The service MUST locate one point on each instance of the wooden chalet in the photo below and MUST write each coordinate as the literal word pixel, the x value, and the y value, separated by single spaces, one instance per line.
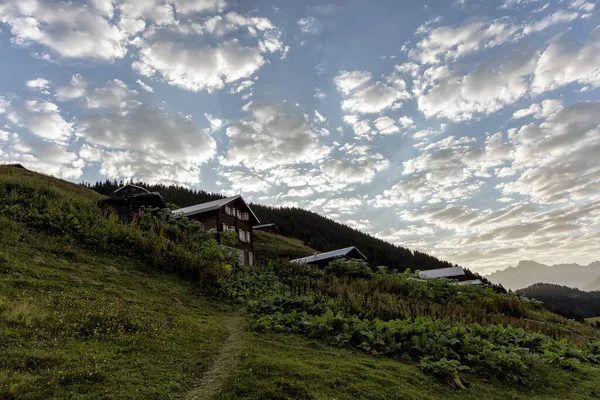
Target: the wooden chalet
pixel 130 201
pixel 229 214
pixel 270 228
pixel 323 259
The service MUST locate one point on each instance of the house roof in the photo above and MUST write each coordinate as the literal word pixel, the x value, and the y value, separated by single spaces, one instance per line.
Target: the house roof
pixel 326 256
pixel 264 226
pixel 14 165
pixel 211 206
pixel 443 272
pixel 133 186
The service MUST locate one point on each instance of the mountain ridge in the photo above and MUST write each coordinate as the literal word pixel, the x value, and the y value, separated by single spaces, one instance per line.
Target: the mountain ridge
pixel 529 272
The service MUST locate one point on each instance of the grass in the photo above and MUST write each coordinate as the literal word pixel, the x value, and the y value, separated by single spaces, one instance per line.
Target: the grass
pixel 282 366
pixel 76 324
pixel 268 246
pixel 593 320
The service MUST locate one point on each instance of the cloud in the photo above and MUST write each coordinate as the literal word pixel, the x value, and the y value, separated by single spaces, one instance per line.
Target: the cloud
pixel 40 84
pixel 451 43
pixel 42 118
pixel 215 123
pixel 356 164
pixel 75 89
pixel 273 135
pixel 310 25
pixel 40 155
pixel 551 19
pixel 363 96
pixel 543 110
pixel 185 7
pixel 386 125
pixel 3 105
pixel 445 93
pixel 145 86
pixel 556 159
pixel 146 143
pixel 406 122
pixel 195 65
pixel 246 182
pixel 562 63
pixel 83 33
pixel 115 94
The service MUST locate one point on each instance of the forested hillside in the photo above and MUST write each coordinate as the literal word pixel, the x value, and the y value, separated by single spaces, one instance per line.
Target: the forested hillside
pixel 316 231
pixel 563 300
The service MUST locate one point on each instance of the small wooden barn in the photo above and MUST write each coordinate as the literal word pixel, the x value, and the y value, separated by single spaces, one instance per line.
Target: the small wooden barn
pixel 270 228
pixel 323 259
pixel 130 201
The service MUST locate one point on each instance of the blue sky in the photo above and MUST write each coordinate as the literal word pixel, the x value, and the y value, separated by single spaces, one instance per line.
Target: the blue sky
pixel 467 129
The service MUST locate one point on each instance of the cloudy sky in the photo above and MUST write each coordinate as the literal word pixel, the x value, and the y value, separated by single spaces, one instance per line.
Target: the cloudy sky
pixel 468 129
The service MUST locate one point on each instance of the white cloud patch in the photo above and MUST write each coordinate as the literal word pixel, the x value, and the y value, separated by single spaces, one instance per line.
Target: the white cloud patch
pixel 366 97
pixel 562 63
pixel 42 118
pixel 273 135
pixel 145 86
pixel 41 155
pixel 356 164
pixel 40 84
pixel 386 125
pixel 115 94
pixel 310 25
pixel 75 89
pixel 197 67
pixel 543 110
pixel 146 143
pixel 83 33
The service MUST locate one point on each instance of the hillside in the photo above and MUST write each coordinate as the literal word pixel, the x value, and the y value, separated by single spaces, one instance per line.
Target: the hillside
pixel 563 300
pixel 314 230
pixel 94 308
pixel 527 273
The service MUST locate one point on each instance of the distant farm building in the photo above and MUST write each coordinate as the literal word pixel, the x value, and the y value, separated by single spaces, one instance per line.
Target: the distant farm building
pixel 447 273
pixel 323 259
pixel 14 165
pixel 271 228
pixel 456 274
pixel 230 214
pixel 129 201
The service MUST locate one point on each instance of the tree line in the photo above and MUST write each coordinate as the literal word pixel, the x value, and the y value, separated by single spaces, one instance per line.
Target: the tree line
pixel 569 302
pixel 316 231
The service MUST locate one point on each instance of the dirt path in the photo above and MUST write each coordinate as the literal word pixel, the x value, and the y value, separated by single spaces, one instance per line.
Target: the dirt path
pixel 225 361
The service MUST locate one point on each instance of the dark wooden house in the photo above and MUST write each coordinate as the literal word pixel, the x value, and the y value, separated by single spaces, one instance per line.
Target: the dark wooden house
pixel 130 201
pixel 271 228
pixel 229 214
pixel 323 259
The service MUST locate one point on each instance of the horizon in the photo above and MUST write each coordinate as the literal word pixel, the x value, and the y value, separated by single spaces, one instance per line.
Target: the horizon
pixel 465 129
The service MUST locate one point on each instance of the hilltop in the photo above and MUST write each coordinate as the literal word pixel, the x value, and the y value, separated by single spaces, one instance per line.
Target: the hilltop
pixel 529 272
pixel 91 307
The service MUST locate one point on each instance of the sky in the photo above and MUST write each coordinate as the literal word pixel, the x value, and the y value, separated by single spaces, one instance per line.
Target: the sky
pixel 467 129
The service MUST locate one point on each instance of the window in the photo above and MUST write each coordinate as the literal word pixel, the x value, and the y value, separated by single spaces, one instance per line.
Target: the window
pixel 228 210
pixel 238 214
pixel 228 228
pixel 242 236
pixel 245 217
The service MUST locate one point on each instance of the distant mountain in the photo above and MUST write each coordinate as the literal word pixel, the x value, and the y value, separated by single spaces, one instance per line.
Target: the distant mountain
pixel 593 285
pixel 528 272
pixel 563 300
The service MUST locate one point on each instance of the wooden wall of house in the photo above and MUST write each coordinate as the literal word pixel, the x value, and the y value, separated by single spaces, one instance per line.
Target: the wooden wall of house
pixel 207 219
pixel 237 223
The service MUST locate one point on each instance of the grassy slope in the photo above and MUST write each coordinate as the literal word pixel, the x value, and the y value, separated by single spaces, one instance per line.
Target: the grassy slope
pixel 74 324
pixel 78 324
pixel 278 366
pixel 277 246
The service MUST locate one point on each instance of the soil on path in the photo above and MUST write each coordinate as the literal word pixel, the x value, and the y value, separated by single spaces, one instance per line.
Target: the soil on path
pixel 225 362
